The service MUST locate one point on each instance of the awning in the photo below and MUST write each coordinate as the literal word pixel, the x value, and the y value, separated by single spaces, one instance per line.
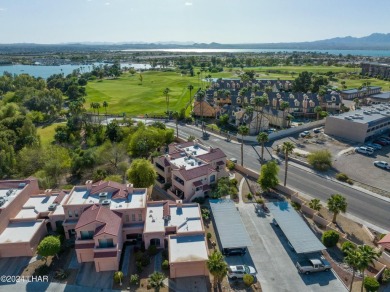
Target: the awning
pixel 296 230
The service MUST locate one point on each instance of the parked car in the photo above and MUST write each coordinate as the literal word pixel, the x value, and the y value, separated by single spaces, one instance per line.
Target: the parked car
pixel 304 134
pixel 238 272
pixel 385 138
pixel 374 145
pixel 364 150
pixel 317 130
pixel 313 265
pixel 380 142
pixel 382 164
pixel 234 251
pixel 385 141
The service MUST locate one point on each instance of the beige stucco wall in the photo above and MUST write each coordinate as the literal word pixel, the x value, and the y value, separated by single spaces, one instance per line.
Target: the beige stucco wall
pixel 150 235
pixel 188 269
pixel 107 264
pixel 346 129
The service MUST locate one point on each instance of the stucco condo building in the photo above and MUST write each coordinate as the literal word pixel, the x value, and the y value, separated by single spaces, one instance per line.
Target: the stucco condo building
pixel 189 169
pixel 101 217
pixel 360 125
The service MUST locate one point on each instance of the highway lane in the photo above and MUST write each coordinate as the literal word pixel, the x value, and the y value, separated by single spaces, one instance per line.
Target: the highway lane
pixel 360 204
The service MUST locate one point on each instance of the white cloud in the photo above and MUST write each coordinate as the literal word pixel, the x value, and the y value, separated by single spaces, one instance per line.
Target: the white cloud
pixel 107 3
pixel 188 4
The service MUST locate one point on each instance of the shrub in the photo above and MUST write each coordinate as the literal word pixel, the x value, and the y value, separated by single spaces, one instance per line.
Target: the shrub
pixel 134 279
pixel 205 213
pixel 386 276
pixel 139 267
pixel 233 182
pixel 296 206
pixel 249 196
pixel 138 256
pixel 42 270
pixel 199 200
pixel 230 165
pixel 118 277
pixel 209 235
pixel 330 238
pixel 350 181
pixel 342 177
pixel 260 201
pixel 320 160
pixel 371 284
pixel 347 246
pixel 248 280
pixel 152 249
pixel 49 246
pixel 61 274
pixel 165 265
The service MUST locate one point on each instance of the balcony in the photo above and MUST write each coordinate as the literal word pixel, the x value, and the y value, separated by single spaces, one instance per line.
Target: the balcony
pixel 179 180
pixel 177 192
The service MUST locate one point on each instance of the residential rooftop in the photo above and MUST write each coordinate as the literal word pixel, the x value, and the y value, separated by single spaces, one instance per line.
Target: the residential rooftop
pixel 383 95
pixel 355 90
pixel 365 115
pixel 20 231
pixel 187 248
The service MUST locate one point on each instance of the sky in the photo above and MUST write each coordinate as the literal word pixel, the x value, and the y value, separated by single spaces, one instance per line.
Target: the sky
pixel 222 21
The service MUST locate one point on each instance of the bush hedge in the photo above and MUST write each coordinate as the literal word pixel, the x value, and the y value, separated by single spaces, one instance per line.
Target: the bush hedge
pixel 371 284
pixel 330 238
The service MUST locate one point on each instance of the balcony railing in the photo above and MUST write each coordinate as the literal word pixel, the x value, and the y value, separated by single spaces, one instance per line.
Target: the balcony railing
pixel 179 180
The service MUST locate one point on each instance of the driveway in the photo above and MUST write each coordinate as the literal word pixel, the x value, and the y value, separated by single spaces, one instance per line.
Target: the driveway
pixel 13 266
pixel 275 261
pixel 88 276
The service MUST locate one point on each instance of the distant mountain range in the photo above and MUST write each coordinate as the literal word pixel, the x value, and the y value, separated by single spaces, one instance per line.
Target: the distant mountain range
pixel 375 41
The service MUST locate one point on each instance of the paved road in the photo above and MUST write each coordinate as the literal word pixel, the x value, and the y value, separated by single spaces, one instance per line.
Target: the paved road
pixel 274 260
pixel 360 204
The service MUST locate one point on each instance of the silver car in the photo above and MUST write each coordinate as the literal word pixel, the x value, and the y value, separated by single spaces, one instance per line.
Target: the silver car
pixel 238 272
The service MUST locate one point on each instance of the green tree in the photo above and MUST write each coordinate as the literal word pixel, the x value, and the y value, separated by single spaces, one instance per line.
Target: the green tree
pixel 243 131
pixel 166 94
pixel 262 138
pixel 118 277
pixel 156 281
pixel 140 78
pixel 315 204
pixel 303 82
pixel 105 105
pixel 371 284
pixel 287 148
pixel 284 107
pixel 217 266
pixel 260 103
pixel 318 110
pixel 141 173
pixel 224 119
pixel 336 204
pixel 353 259
pixel 176 117
pixel 268 178
pixel 49 246
pixel 114 132
pixel 321 160
pixel 200 96
pixel 190 87
pixel 330 238
pixel 368 256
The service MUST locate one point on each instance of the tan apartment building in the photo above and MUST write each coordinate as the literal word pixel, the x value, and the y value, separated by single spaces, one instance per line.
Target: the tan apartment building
pixel 189 169
pixel 360 125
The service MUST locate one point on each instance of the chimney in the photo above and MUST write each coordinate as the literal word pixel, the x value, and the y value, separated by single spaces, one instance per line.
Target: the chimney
pixel 88 184
pixel 48 192
pixel 129 188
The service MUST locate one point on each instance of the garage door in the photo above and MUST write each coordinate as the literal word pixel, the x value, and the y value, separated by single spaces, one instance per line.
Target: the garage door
pixel 86 256
pixel 110 264
pixel 188 270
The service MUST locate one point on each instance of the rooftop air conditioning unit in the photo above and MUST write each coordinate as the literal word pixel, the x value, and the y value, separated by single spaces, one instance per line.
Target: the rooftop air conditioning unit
pixel 2 201
pixel 102 195
pixel 21 185
pixel 106 202
pixel 52 207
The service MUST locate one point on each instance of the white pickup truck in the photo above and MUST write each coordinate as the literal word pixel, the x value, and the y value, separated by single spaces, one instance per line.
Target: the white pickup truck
pixel 313 265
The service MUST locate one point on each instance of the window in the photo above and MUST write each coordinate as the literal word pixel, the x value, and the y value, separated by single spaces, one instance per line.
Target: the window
pixel 76 213
pixel 106 242
pixel 212 178
pixel 127 218
pixel 140 217
pixel 86 234
pixel 70 214
pixel 132 217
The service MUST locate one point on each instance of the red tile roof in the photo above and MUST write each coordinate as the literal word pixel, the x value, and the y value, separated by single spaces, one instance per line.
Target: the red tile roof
pixel 84 245
pixel 206 187
pixel 185 144
pixel 212 155
pixel 105 254
pixel 101 186
pixel 196 172
pixel 220 163
pixel 109 221
pixel 197 183
pixel 166 162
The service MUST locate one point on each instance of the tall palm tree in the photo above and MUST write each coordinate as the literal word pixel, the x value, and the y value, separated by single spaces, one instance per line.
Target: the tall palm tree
pixel 217 266
pixel 262 138
pixel 176 116
pixel 105 105
pixel 92 105
pixel 201 96
pixel 166 93
pixel 315 204
pixel 287 149
pixel 156 280
pixel 97 105
pixel 336 204
pixel 368 255
pixel 260 103
pixel 318 110
pixel 283 107
pixel 243 131
pixel 190 87
pixel 353 260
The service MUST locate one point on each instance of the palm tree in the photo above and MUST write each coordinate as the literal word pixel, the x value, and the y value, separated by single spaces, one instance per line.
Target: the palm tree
pixel 283 107
pixel 92 105
pixel 368 255
pixel 243 131
pixel 105 105
pixel 176 116
pixel 336 204
pixel 156 280
pixel 200 96
pixel 97 105
pixel 166 93
pixel 217 266
pixel 260 102
pixel 353 260
pixel 356 101
pixel 315 204
pixel 262 138
pixel 318 110
pixel 190 88
pixel 287 148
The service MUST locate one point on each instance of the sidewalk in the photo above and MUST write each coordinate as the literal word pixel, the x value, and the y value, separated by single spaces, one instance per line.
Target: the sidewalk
pixel 212 134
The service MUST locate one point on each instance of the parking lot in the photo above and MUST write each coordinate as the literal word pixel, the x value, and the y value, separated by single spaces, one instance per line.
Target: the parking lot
pixel 275 261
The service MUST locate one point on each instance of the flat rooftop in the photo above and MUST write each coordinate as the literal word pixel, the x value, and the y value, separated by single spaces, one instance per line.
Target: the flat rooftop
pixel 82 196
pixel 60 209
pixel 187 162
pixel 365 115
pixel 20 231
pixel 187 248
pixel 383 95
pixel 8 195
pixel 296 230
pixel 186 218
